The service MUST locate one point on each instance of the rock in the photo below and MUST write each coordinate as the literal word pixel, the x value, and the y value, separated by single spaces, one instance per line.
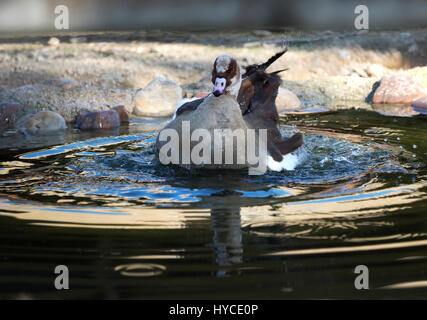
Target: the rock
pixel 394 110
pixel 66 97
pixel 221 112
pixel 124 114
pixel 398 89
pixel 41 122
pixel 158 99
pixel 375 70
pixel 54 42
pixel 61 83
pixel 71 111
pixel 287 100
pixel 108 119
pixel 323 90
pixel 420 105
pixel 418 73
pixel 8 114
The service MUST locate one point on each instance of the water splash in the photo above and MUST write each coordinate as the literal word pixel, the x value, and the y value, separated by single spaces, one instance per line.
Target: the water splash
pixel 110 169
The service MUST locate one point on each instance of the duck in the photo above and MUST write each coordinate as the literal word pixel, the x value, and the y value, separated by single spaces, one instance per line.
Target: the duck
pixel 255 91
pixel 226 78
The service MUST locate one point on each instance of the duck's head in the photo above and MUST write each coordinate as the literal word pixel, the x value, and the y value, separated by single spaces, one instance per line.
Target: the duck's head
pixel 226 76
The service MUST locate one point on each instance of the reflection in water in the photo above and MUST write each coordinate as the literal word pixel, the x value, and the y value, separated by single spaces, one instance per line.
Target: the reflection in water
pixel 227 238
pixel 140 269
pixel 287 253
pixel 407 285
pixel 370 248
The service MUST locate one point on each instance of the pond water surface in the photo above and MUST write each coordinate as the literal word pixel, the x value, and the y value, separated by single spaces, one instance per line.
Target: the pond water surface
pixel 128 228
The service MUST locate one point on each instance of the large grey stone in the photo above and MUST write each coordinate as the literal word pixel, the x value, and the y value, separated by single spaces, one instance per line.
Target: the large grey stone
pixel 287 100
pixel 158 99
pixel 221 112
pixel 66 97
pixel 41 123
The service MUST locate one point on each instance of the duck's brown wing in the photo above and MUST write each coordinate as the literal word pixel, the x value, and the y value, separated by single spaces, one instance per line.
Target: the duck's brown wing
pixel 264 116
pixel 189 106
pixel 257 98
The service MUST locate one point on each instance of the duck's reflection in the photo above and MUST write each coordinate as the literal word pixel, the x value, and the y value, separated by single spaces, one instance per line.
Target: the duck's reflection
pixel 227 237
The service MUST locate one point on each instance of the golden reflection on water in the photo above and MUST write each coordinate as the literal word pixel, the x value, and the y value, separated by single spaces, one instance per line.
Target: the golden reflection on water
pixel 365 203
pixel 7 166
pixel 140 269
pixel 406 285
pixel 131 217
pixel 370 247
pixel 154 257
pixel 102 218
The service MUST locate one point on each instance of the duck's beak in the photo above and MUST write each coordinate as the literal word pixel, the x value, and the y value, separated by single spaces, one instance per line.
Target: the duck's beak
pixel 217 93
pixel 219 87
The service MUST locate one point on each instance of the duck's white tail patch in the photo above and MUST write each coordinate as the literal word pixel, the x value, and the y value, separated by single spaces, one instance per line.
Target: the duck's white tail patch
pixel 182 102
pixel 289 162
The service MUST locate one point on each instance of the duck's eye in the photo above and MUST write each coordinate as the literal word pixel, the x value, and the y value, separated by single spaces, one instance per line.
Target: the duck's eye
pixel 265 82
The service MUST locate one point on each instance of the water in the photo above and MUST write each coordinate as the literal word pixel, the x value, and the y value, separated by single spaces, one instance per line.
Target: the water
pixel 128 228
